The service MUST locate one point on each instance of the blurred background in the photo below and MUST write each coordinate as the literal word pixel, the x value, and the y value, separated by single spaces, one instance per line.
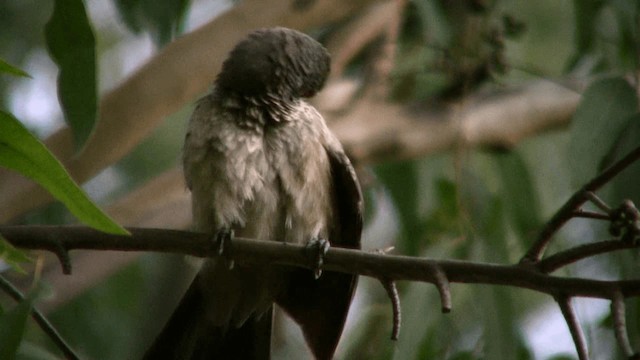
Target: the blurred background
pixel 460 116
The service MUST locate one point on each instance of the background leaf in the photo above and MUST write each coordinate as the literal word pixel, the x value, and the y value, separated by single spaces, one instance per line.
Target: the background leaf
pixel 585 30
pixel 163 19
pixel 400 179
pixel 601 115
pixel 12 326
pixel 518 195
pixel 71 44
pixel 22 152
pixel 625 185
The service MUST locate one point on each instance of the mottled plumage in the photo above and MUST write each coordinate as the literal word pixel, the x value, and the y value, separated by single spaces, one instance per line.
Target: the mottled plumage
pixel 261 161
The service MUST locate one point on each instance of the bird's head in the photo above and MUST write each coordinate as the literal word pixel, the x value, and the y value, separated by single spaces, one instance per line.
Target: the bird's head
pixel 275 63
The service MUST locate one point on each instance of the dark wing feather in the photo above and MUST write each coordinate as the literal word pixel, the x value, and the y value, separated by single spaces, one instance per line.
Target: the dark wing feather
pixel 189 335
pixel 321 306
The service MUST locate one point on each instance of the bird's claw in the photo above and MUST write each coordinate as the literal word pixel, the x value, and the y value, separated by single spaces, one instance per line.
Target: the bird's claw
pixel 318 247
pixel 223 243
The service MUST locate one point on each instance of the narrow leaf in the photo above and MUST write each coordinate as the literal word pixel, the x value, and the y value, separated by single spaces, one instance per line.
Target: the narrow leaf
pixel 12 325
pixel 599 118
pixel 71 44
pixel 12 256
pixel 519 195
pixel 400 179
pixel 626 184
pixel 22 152
pixel 163 20
pixel 7 68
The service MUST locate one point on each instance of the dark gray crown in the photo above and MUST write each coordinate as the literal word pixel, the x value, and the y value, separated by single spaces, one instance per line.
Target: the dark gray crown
pixel 276 62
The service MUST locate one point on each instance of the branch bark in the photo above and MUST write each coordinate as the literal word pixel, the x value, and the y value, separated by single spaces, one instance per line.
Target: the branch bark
pixel 391 267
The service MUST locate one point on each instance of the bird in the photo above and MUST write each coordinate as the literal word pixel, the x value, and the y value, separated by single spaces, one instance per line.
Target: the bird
pixel 261 163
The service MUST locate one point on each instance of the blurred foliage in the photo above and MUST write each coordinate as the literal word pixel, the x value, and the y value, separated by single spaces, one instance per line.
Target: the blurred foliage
pixel 12 326
pixel 7 68
pixel 163 20
pixel 601 116
pixel 72 45
pixel 12 256
pixel 469 204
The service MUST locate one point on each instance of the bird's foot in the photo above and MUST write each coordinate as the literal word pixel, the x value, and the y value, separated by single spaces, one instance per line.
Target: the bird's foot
pixel 223 241
pixel 318 247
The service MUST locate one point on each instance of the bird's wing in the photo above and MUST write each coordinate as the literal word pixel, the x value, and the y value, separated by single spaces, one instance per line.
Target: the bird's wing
pixel 321 306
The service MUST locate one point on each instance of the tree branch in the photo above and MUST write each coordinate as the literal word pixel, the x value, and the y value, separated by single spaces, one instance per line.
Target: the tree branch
pixel 380 266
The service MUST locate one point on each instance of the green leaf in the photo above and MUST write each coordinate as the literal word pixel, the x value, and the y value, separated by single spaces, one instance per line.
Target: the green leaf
pixel 71 43
pixel 12 326
pixel 7 68
pixel 626 184
pixel 163 19
pixel 599 118
pixel 400 179
pixel 22 152
pixel 518 194
pixel 585 12
pixel 12 256
pixel 627 13
pixel 444 220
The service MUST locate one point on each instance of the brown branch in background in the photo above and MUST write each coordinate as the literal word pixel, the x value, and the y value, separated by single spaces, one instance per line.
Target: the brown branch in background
pixel 567 211
pixel 384 62
pixel 574 326
pixel 42 322
pixel 374 130
pixel 351 39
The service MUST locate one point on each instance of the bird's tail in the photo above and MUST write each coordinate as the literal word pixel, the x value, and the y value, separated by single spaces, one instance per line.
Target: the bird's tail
pixel 189 335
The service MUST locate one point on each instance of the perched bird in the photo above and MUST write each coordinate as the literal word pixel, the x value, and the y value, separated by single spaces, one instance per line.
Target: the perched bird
pixel 261 163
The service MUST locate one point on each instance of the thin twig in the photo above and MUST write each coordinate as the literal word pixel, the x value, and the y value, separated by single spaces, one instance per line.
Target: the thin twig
pixel 577 199
pixel 442 284
pixel 590 215
pixel 574 326
pixel 595 200
pixel 44 324
pixel 570 256
pixel 63 257
pixel 392 292
pixel 619 323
